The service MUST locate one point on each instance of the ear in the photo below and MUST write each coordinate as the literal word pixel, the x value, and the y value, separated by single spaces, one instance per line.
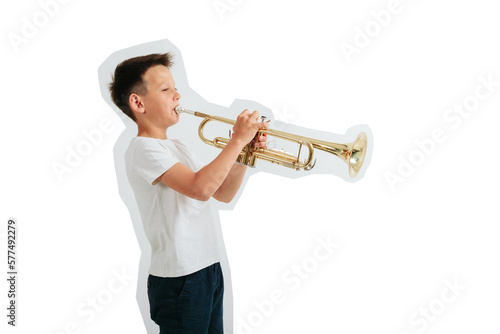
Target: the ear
pixel 136 103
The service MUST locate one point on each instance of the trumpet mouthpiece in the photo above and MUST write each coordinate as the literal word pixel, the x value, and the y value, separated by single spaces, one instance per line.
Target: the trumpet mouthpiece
pixel 179 109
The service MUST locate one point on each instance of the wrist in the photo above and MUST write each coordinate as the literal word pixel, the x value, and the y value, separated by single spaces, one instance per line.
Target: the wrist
pixel 237 141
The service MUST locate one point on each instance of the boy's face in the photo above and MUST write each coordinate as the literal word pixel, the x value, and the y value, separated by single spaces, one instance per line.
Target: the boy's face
pixel 161 97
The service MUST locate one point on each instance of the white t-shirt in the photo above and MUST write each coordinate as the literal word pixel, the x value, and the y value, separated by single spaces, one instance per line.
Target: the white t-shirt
pixel 183 234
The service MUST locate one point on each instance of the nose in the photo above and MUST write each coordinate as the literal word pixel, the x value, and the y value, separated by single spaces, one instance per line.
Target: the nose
pixel 177 96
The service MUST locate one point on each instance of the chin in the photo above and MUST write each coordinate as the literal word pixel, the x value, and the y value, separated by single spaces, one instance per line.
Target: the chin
pixel 175 121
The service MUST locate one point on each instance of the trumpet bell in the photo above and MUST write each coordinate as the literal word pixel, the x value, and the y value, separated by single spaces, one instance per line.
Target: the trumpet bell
pixel 357 155
pixel 352 153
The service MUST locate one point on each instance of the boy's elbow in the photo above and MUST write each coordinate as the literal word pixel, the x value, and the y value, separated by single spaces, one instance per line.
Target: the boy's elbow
pixel 225 200
pixel 222 197
pixel 205 193
pixel 201 190
pixel 202 196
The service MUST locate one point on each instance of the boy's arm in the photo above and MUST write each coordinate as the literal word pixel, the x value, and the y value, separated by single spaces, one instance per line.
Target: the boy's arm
pixel 232 183
pixel 229 188
pixel 203 184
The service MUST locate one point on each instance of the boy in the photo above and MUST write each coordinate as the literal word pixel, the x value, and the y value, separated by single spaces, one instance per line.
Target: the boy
pixel 171 186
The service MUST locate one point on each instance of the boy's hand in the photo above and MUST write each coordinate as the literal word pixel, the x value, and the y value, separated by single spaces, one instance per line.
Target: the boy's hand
pixel 246 126
pixel 260 141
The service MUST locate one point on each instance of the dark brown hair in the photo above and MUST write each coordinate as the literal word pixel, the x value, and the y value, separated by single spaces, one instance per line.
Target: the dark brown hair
pixel 128 78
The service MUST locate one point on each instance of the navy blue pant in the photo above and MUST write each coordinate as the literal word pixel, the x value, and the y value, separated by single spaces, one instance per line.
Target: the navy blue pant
pixel 189 304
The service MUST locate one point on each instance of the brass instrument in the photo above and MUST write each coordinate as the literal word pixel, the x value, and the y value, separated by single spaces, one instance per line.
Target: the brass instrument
pixel 353 153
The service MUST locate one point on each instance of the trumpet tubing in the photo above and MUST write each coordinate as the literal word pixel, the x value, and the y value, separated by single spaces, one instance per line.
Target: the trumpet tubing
pixel 352 153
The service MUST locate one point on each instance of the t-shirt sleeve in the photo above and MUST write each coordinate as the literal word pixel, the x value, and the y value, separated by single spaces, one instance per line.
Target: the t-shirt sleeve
pixel 151 160
pixel 199 164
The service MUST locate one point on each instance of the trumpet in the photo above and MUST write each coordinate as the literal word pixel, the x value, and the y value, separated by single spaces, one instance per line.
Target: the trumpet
pixel 352 153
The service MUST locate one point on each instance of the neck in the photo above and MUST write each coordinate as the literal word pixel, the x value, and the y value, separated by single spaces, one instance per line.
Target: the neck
pixel 152 132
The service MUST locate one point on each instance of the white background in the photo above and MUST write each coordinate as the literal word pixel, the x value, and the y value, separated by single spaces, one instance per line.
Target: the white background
pixel 398 246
